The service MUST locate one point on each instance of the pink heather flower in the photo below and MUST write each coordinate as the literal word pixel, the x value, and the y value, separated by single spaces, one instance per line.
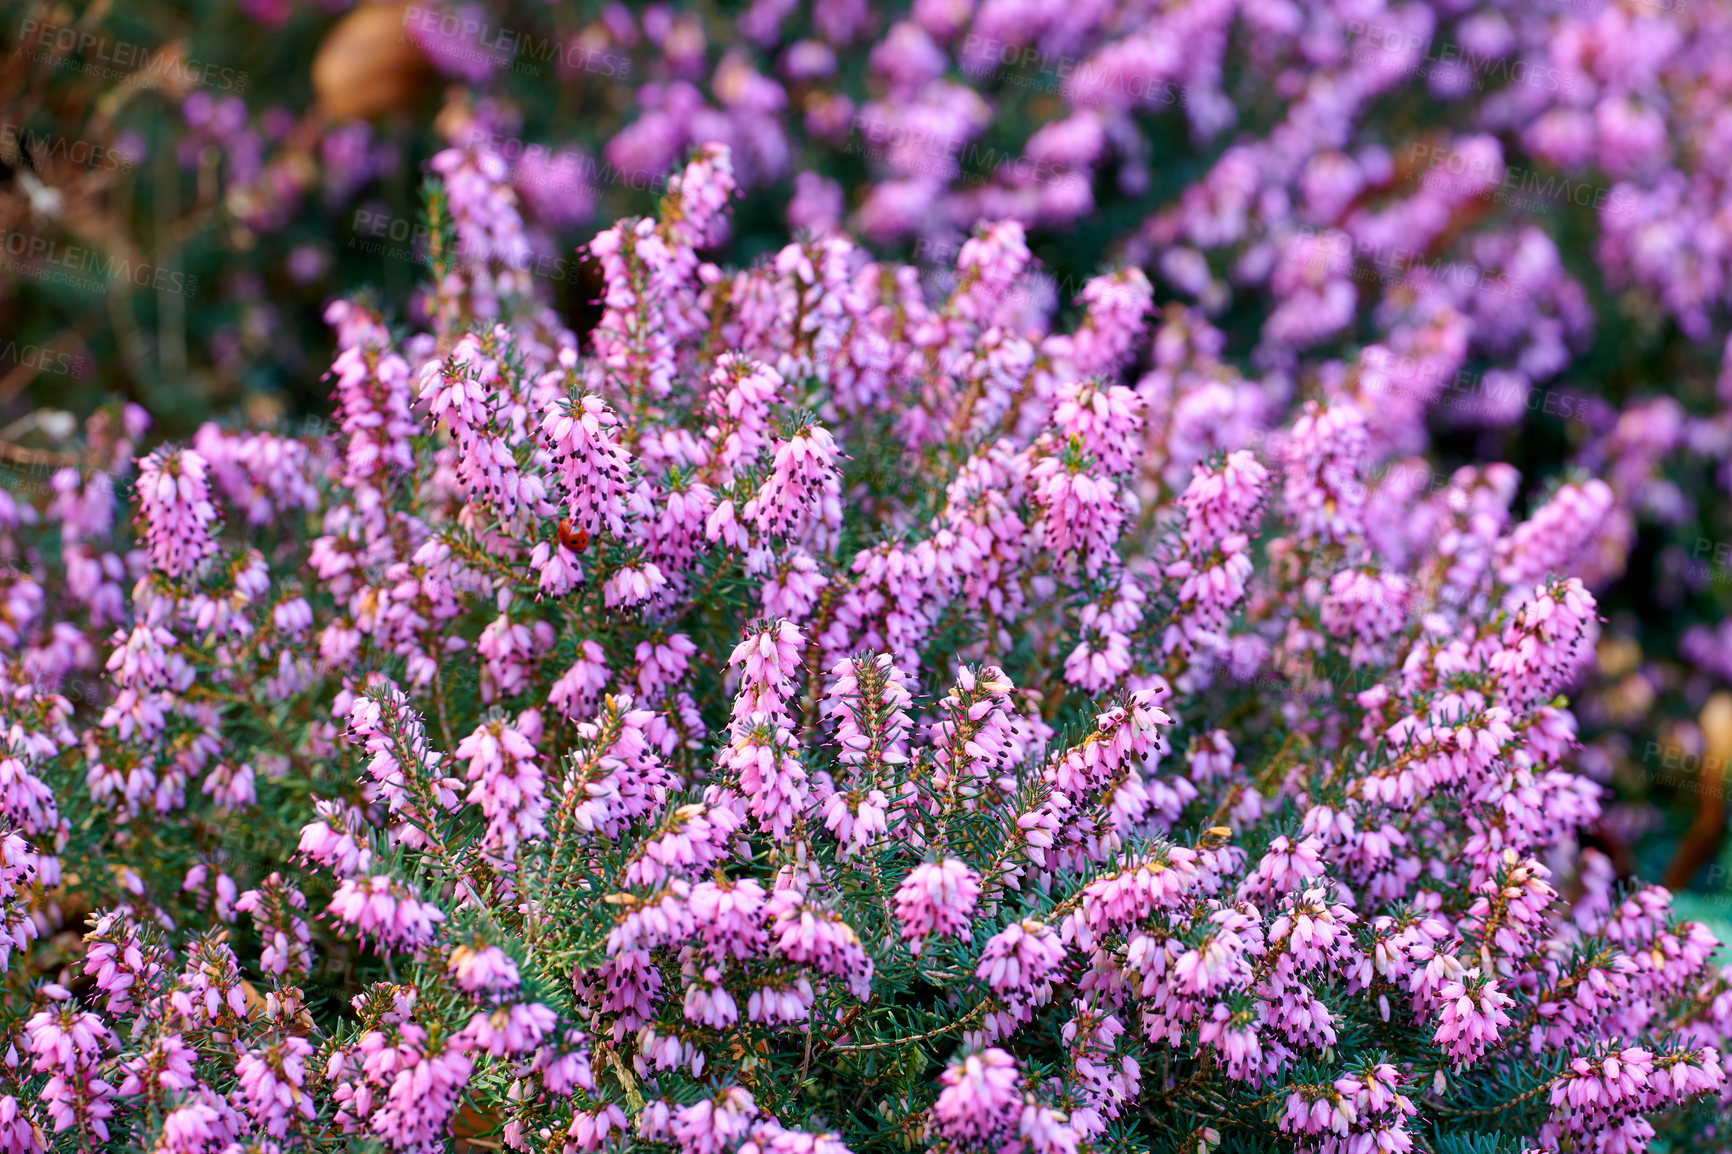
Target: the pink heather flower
pixel 144 659
pixel 1311 282
pixel 509 651
pixel 645 492
pixel 738 405
pixel 1220 958
pixel 708 1001
pixel 1020 961
pixel 1082 512
pixel 769 1137
pixel 396 1086
pixel 272 1079
pixel 264 475
pixel 633 783
pixel 590 1130
pixel 937 899
pixel 1321 461
pixel 634 338
pixel 977 738
pixel 1310 1111
pixel 20 1132
pixel 1547 642
pixel 658 921
pixel 808 934
pixel 506 785
pixel 405 771
pixel 1157 882
pixel 514 1028
pixel 213 888
pixel 1472 1014
pixel 714 1125
pixel 669 1052
pixel 691 839
pixel 674 525
pixel 565 1066
pixel 868 700
pixel 1367 607
pixel 662 663
pixel 486 970
pixel 787 1003
pixel 1286 866
pixel 818 202
pixel 594 469
pixel 1103 656
pixel 580 687
pixel 1509 911
pixel 1108 420
pixel 275 907
pixel 988 269
pixel 166 1066
pixel 557 567
pixel 384 908
pixel 1047 1131
pixel 980 1104
pixel 1221 503
pixel 1686 1073
pixel 724 527
pixel 204 1121
pixel 210 991
pixel 372 399
pixel 1639 918
pixel 493 251
pixel 64 1038
pixel 470 395
pixel 120 962
pixel 703 190
pixel 729 917
pixel 793 587
pixel 804 480
pixel 77 1100
pixel 1124 736
pixel 1552 541
pixel 67 1044
pixel 889 606
pixel 763 754
pixel 332 842
pixel 1211 756
pixel 557 185
pixel 631 584
pixel 1118 307
pixel 231 788
pixel 1209 591
pixel 175 507
pixel 769 660
pixel 858 820
pixel 1312 930
pixel 83 504
pixel 1237 1038
pixel 1380 1110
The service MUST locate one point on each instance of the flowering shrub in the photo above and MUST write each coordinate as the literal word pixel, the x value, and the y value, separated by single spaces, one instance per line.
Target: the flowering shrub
pixel 1509 216
pixel 805 718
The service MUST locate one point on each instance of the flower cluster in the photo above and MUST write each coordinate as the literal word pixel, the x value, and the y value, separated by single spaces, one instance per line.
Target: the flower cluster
pixel 751 727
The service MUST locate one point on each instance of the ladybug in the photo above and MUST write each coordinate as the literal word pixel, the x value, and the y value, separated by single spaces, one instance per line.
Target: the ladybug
pixel 572 536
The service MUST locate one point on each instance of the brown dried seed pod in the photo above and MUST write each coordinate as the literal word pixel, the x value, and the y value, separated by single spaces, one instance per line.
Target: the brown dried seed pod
pixel 369 64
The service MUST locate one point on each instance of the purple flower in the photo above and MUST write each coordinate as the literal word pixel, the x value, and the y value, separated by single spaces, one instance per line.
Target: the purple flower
pixel 980 1103
pixel 176 510
pixel 937 899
